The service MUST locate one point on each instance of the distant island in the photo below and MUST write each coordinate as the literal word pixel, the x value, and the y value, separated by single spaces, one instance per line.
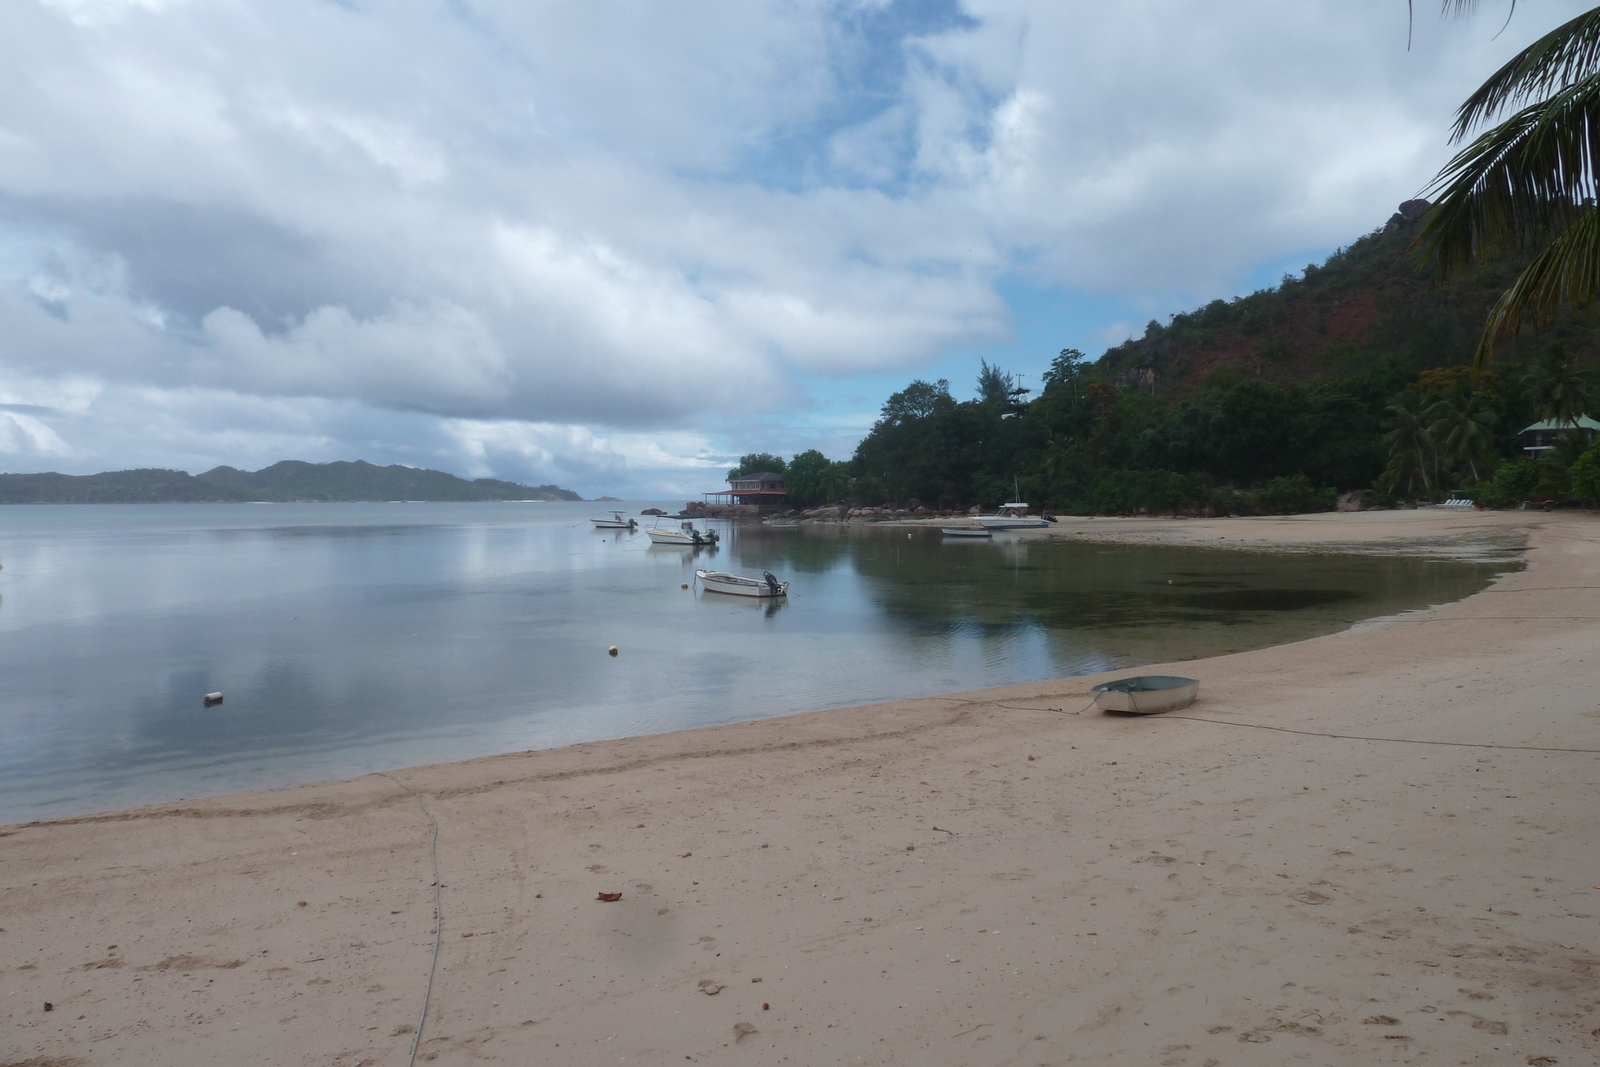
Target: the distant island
pixel 288 481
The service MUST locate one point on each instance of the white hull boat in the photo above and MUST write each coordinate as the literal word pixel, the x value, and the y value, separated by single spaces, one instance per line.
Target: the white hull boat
pixel 686 536
pixel 965 531
pixel 739 585
pixel 1012 516
pixel 616 522
pixel 1146 694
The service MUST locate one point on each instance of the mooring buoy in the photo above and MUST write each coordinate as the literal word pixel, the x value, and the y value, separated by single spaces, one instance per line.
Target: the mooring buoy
pixel 213 699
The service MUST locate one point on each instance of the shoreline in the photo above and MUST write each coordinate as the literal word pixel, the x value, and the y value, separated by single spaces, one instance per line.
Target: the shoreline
pixel 975 877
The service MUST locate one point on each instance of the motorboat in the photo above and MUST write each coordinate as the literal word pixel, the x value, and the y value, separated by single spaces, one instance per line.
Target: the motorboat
pixel 1012 516
pixel 965 531
pixel 739 585
pixel 618 521
pixel 1146 694
pixel 684 535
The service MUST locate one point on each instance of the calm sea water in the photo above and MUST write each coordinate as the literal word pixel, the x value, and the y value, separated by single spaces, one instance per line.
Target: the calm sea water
pixel 357 637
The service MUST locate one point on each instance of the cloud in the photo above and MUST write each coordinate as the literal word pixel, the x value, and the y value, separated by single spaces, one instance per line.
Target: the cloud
pixel 581 237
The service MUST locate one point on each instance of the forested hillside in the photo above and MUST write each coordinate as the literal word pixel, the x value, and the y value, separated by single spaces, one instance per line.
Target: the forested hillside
pixel 290 480
pixel 1352 376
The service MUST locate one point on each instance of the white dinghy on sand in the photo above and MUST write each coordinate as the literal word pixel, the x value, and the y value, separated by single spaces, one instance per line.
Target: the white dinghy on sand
pixel 1146 694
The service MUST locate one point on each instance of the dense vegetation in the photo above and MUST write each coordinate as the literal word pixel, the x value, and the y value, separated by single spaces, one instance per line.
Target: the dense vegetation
pixel 287 481
pixel 1352 376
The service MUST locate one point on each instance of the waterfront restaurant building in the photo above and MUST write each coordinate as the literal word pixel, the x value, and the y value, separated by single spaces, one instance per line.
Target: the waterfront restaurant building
pixel 763 490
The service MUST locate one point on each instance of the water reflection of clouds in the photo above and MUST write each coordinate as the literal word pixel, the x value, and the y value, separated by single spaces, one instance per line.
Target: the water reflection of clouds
pixel 345 648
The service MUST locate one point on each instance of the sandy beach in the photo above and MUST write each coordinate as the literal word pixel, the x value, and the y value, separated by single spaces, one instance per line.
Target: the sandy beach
pixel 1375 847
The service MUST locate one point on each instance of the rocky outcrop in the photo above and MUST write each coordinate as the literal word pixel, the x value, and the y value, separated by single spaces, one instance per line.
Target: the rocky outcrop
pixel 1410 211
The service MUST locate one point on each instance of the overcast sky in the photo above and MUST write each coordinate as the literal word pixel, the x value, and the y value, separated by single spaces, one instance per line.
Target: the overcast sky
pixel 612 245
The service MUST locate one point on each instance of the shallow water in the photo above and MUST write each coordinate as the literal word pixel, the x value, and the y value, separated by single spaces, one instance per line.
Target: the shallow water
pixel 357 637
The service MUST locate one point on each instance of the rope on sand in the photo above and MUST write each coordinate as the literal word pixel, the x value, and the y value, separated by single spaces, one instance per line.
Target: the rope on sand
pixel 1339 737
pixel 1058 711
pixel 1391 740
pixel 438 913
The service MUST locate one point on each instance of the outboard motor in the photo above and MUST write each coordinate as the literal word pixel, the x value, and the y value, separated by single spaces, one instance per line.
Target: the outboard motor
pixel 772 583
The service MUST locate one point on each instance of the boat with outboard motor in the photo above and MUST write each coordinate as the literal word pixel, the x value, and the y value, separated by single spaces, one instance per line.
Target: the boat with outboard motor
pixel 1012 516
pixel 685 535
pixel 738 585
pixel 618 521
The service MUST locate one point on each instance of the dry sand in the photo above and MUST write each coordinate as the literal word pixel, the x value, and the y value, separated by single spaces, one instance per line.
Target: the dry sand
pixel 990 878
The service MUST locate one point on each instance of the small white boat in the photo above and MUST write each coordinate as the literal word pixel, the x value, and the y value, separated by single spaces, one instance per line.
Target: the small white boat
pixel 1146 694
pixel 965 531
pixel 739 585
pixel 617 522
pixel 686 535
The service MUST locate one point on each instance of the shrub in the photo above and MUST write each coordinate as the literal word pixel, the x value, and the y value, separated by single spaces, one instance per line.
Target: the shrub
pixel 1513 481
pixel 1586 475
pixel 1294 493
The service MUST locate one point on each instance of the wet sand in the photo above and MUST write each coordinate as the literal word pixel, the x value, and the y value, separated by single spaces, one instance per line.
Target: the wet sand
pixel 1376 847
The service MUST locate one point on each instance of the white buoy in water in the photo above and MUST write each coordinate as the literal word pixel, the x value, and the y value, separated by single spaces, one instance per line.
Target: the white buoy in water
pixel 213 699
pixel 612 651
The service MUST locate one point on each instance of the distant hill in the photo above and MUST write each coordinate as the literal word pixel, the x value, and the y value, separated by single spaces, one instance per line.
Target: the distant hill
pixel 1370 312
pixel 290 480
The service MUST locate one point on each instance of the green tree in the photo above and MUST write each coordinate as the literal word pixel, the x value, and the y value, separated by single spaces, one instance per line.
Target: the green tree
pixel 1513 480
pixel 1066 373
pixel 1558 462
pixel 1410 444
pixel 813 479
pixel 1463 430
pixel 998 388
pixel 757 463
pixel 1527 183
pixel 919 400
pixel 1556 387
pixel 1586 475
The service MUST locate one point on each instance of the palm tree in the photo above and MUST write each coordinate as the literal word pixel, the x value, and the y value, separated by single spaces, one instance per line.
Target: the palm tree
pixel 1463 426
pixel 1556 388
pixel 1409 439
pixel 1528 182
pixel 1061 458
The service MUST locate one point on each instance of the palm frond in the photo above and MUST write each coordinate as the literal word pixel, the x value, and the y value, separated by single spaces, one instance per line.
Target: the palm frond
pixel 1568 54
pixel 1517 183
pixel 1565 274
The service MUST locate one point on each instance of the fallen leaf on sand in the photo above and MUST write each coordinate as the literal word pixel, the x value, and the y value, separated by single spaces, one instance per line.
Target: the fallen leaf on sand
pixel 686 855
pixel 609 897
pixel 709 988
